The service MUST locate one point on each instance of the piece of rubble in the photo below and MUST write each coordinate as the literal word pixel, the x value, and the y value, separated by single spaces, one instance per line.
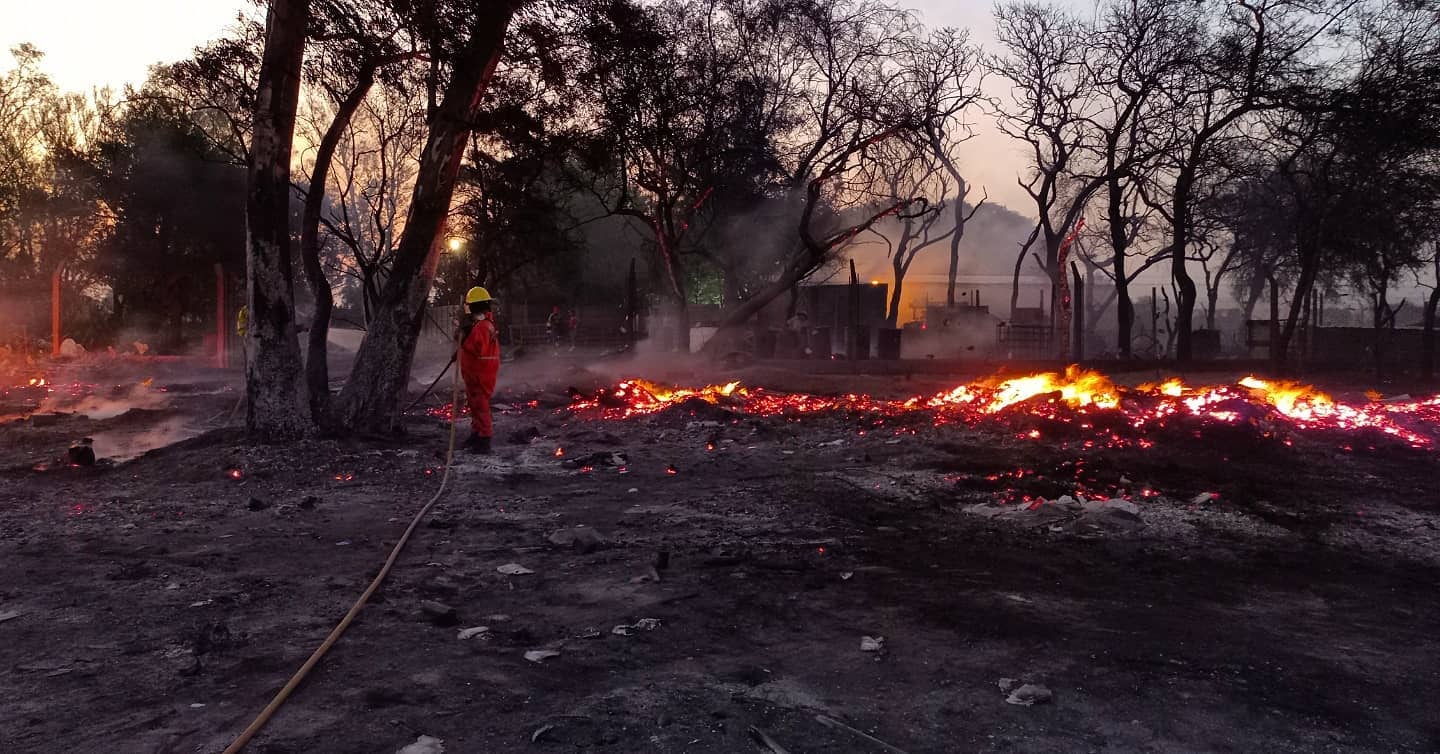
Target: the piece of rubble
pixel 644 624
pixel 425 745
pixel 10 615
pixel 82 453
pixel 872 643
pixel 602 458
pixel 439 613
pixel 582 538
pixel 1204 497
pixel 69 349
pixel 540 731
pixel 1029 694
pixel 540 655
pixel 1008 684
pixel 514 569
pixel 470 633
pixel 256 504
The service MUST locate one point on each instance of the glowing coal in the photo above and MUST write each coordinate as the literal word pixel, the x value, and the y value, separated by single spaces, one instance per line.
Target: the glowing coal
pixel 1087 400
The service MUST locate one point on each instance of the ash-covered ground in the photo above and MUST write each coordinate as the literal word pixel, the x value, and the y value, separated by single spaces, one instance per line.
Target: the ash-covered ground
pixel 698 572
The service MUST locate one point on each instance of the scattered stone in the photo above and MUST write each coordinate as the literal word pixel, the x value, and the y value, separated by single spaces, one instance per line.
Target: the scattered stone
pixel 540 655
pixel 514 569
pixel 439 613
pixel 425 745
pixel 872 643
pixel 582 538
pixel 1009 684
pixel 1029 694
pixel 309 503
pixel 470 633
pixel 644 624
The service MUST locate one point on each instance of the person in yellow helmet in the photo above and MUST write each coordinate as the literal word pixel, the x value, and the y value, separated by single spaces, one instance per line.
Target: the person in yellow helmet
pixel 479 366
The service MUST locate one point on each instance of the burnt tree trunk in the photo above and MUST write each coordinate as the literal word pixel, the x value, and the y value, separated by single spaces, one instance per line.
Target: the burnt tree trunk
pixel 955 253
pixel 1184 285
pixel 371 398
pixel 1427 338
pixel 317 368
pixel 275 394
pixel 899 265
pixel 1277 348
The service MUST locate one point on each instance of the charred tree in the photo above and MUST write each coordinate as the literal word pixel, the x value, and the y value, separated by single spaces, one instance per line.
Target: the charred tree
pixel 317 368
pixel 370 400
pixel 274 381
pixel 1432 304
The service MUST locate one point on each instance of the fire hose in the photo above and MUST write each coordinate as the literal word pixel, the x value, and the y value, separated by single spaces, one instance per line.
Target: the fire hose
pixel 270 709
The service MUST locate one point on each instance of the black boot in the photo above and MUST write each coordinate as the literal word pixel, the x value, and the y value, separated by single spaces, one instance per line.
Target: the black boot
pixel 479 445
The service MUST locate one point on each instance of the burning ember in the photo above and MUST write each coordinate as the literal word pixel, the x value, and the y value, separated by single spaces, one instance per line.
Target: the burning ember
pixel 1087 400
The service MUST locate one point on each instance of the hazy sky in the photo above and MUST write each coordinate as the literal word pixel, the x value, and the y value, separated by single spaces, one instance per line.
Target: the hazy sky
pixel 112 42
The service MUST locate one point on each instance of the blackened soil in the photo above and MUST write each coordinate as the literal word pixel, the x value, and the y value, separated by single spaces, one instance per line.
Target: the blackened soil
pixel 159 603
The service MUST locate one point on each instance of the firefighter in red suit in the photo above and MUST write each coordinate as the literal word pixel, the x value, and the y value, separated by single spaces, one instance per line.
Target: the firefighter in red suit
pixel 479 364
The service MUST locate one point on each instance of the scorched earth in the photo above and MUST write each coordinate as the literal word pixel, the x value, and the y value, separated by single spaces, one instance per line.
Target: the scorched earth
pixel 812 563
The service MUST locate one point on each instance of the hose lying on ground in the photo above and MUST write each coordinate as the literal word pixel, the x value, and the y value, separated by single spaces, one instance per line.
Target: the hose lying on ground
pixel 335 633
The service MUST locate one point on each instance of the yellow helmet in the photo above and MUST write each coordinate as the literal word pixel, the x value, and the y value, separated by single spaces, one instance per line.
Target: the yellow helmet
pixel 477 295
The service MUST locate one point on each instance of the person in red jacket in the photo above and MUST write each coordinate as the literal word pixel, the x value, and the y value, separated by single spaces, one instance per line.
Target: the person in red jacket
pixel 479 365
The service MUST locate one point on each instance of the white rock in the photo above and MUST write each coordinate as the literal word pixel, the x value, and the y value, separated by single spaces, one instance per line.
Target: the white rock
pixel 514 569
pixel 425 745
pixel 541 655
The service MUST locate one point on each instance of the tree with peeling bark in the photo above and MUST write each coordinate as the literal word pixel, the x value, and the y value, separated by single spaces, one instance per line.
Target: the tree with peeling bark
pixel 275 389
pixel 465 45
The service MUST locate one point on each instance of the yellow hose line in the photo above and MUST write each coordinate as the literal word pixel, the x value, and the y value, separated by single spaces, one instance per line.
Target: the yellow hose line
pixel 335 633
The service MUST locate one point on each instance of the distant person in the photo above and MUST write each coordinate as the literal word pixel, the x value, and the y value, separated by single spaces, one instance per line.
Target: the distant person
pixel 799 327
pixel 572 325
pixel 479 366
pixel 555 326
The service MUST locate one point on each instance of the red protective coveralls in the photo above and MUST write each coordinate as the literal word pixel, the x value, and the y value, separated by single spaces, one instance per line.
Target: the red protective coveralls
pixel 479 364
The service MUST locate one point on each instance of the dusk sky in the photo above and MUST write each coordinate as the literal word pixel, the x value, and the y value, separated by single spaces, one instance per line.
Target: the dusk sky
pixel 111 43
